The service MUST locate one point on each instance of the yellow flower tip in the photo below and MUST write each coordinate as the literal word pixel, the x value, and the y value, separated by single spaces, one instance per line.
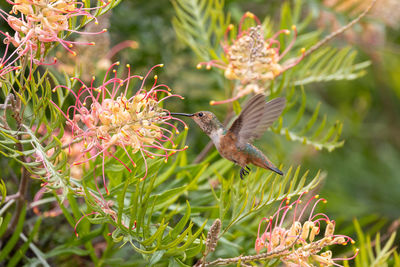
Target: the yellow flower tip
pixel 84 103
pixel 325 201
pixel 93 78
pixel 134 165
pixel 230 27
pixel 177 132
pixel 114 71
pixel 70 45
pixel 155 77
pixel 174 146
pixel 140 78
pixel 186 128
pixel 287 32
pixel 271 218
pixel 71 79
pixel 108 193
pixel 249 15
pixel 208 67
pixel 92 43
pixel 141 179
pixel 212 102
pixel 290 207
pixel 198 66
pixel 302 50
pixel 74 53
pixel 186 147
pixel 117 63
pixel 161 65
pixel 353 242
pixel 166 160
pixel 300 201
pixel 182 97
pixel 344 244
pixel 294 27
pixel 169 89
pixel 96 22
pixel 54 90
pixel 316 196
pixel 105 30
pixel 128 66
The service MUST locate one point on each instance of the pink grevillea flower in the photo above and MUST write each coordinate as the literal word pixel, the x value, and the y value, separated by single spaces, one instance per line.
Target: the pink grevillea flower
pixel 107 117
pixel 40 22
pixel 252 59
pixel 302 241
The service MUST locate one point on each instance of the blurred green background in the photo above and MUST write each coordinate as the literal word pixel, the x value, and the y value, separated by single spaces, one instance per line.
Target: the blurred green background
pixel 362 176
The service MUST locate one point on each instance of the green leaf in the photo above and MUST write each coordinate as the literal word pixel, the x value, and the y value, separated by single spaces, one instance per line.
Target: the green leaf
pixel 21 252
pixel 200 24
pixel 329 64
pixel 3 191
pixel 5 251
pixel 314 131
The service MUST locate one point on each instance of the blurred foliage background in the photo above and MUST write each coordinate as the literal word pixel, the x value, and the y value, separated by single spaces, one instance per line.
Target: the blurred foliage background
pixel 363 180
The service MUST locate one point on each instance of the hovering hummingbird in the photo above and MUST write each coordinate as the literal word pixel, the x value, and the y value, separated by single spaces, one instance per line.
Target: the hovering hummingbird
pixel 235 144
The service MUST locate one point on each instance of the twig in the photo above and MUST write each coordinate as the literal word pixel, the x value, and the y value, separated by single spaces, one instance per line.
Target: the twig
pixel 77 140
pixel 8 198
pixel 263 256
pixel 20 196
pixel 339 31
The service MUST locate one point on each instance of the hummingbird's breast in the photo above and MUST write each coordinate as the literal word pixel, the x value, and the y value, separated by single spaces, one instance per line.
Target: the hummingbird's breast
pixel 228 149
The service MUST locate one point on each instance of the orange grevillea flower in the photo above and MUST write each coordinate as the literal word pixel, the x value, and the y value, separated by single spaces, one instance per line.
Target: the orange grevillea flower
pixel 253 59
pixel 107 117
pixel 39 22
pixel 301 236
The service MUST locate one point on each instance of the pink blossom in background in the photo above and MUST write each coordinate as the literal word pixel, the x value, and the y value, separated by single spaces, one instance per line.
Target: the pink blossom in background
pixel 107 117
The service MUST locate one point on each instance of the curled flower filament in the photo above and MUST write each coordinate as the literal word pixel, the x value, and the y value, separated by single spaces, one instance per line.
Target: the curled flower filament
pixel 105 118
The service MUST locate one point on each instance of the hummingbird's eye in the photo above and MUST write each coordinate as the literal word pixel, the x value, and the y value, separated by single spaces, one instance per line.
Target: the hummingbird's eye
pixel 200 114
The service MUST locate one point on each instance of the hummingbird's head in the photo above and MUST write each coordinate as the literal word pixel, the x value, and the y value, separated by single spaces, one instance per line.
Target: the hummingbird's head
pixel 207 121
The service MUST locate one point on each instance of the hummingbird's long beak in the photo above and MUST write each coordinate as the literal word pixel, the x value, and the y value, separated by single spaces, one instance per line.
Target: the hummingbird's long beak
pixel 182 114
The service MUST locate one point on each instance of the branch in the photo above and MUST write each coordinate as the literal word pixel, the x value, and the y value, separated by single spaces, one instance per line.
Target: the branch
pixel 263 256
pixel 339 31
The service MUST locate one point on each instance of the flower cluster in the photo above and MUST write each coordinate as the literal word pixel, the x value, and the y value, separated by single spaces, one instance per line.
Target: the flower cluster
pixel 252 59
pixel 40 22
pixel 301 244
pixel 105 117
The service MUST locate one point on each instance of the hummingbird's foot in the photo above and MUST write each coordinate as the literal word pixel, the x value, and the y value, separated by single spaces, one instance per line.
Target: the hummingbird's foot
pixel 244 172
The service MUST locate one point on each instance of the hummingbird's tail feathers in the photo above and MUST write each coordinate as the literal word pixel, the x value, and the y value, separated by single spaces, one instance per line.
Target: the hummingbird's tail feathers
pixel 275 169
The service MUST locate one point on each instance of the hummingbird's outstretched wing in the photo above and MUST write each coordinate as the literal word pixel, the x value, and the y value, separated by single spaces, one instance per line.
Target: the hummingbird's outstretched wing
pixel 256 117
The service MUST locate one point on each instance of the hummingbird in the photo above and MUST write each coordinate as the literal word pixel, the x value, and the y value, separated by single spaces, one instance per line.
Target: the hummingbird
pixel 235 144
